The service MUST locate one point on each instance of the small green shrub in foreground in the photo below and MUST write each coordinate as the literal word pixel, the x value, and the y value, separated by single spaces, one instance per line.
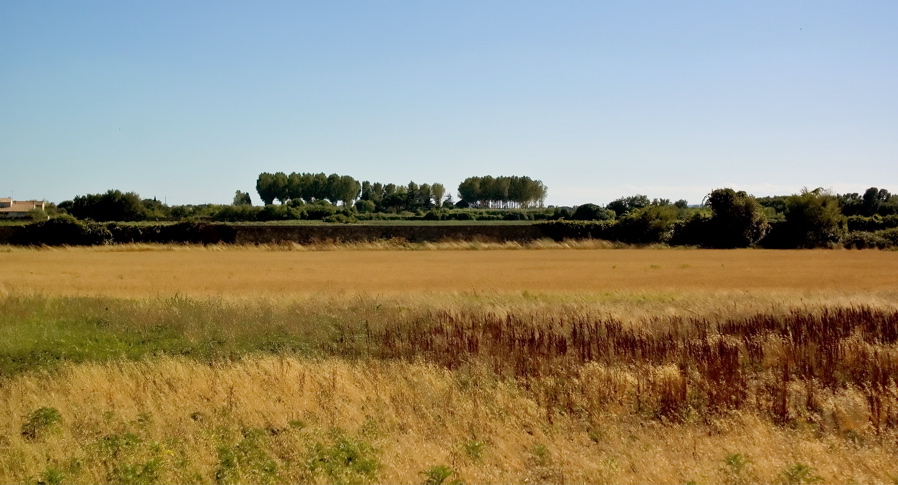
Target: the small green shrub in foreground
pixel 40 423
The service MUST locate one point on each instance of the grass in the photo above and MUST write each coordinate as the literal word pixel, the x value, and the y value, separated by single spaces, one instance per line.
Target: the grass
pixel 138 422
pixel 676 366
pixel 226 272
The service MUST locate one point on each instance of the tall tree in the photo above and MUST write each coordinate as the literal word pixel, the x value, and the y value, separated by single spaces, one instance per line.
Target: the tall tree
pixel 438 191
pixel 279 186
pixel 265 188
pixel 242 198
pixel 737 220
pixel 814 218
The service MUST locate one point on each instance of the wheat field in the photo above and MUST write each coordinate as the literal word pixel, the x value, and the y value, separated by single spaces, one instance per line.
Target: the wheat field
pixel 221 271
pixel 447 363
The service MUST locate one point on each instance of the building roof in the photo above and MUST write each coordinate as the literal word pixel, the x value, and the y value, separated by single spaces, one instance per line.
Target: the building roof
pixel 21 205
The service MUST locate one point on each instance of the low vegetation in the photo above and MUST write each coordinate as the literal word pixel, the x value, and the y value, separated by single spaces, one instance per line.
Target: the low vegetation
pixel 664 366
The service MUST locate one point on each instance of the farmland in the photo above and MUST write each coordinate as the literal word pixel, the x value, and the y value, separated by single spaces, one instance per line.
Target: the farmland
pixel 547 362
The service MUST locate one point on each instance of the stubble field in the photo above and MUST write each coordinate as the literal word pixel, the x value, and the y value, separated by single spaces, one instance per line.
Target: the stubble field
pixel 436 363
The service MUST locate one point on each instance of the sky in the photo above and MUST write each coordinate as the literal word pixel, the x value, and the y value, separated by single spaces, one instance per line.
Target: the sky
pixel 188 101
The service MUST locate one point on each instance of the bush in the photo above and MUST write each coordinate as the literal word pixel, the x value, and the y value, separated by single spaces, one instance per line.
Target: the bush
pixel 864 240
pixel 648 225
pixel 64 230
pixel 515 216
pixel 592 212
pixel 695 231
pixel 890 236
pixel 873 223
pixel 342 459
pixel 364 206
pixel 317 211
pixel 737 220
pixel 341 219
pixel 40 422
pixel 813 219
pixel 462 216
pixel 560 230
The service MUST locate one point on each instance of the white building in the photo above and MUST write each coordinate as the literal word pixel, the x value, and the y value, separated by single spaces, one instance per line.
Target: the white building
pixel 13 209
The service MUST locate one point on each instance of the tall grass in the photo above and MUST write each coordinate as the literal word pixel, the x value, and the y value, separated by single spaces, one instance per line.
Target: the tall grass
pixel 288 420
pixel 784 365
pixel 480 386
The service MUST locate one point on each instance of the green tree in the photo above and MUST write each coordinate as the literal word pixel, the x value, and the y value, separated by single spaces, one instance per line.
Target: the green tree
pixel 348 190
pixel 265 188
pixel 438 191
pixel 737 220
pixel 242 198
pixel 425 197
pixel 626 204
pixel 469 190
pixel 873 200
pixel 280 186
pixel 814 219
pixel 363 206
pixel 295 187
pixel 647 225
pixel 114 205
pixel 592 212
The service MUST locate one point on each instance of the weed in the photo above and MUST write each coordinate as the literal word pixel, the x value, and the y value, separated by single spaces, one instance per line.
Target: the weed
pixel 40 422
pixel 800 474
pixel 343 459
pixel 736 463
pixel 438 474
pixel 247 461
pixel 51 476
pixel 473 448
pixel 541 453
pixel 737 469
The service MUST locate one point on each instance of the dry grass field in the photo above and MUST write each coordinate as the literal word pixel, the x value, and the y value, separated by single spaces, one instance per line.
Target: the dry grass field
pixel 477 363
pixel 219 271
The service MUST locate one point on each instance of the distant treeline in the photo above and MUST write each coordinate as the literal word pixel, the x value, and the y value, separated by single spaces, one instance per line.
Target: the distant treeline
pixel 731 219
pixel 726 218
pixel 482 192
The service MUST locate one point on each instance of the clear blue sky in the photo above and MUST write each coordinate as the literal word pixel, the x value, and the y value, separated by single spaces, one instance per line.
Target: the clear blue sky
pixel 190 101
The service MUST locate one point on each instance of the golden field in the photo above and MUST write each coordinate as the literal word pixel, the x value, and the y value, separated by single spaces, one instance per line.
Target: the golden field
pixel 546 363
pixel 221 271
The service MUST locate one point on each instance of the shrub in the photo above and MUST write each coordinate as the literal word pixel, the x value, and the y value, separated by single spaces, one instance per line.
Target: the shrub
pixel 592 212
pixel 737 220
pixel 462 216
pixel 40 422
pixel 64 230
pixel 364 206
pixel 890 236
pixel 317 211
pixel 648 225
pixel 341 219
pixel 246 462
pixel 864 240
pixel 695 231
pixel 813 219
pixel 437 475
pixel 515 216
pixel 343 459
pixel 799 474
pixel 560 230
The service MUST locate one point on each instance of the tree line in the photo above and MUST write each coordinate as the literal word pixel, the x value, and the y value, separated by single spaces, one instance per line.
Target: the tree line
pixel 725 218
pixel 502 192
pixel 730 219
pixel 310 188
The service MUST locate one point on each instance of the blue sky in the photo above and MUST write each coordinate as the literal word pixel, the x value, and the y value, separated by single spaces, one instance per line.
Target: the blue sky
pixel 190 101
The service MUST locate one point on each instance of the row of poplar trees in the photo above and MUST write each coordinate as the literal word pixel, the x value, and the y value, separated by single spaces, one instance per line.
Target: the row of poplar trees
pixel 489 192
pixel 335 188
